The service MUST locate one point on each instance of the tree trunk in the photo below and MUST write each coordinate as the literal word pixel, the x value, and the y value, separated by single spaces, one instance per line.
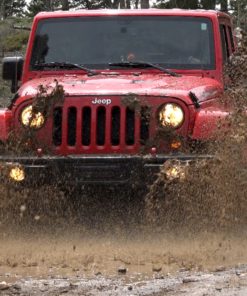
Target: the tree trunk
pixel 65 4
pixel 128 4
pixel 184 4
pixel 208 4
pixel 115 3
pixel 144 3
pixel 12 8
pixel 223 5
pixel 3 16
pixel 48 5
pixel 122 4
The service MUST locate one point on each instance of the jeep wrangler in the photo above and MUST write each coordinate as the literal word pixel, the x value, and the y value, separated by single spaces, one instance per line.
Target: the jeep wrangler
pixel 109 96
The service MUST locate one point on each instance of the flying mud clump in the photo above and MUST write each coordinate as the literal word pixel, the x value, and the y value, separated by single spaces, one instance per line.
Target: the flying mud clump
pixel 210 194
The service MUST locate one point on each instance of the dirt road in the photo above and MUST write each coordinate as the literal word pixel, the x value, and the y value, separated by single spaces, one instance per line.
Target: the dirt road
pixel 227 283
pixel 82 264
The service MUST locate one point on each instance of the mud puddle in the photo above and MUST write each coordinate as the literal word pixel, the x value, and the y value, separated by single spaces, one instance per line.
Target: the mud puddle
pixel 90 255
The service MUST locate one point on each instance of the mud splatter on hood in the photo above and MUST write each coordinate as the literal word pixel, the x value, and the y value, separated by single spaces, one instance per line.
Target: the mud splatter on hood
pixel 145 84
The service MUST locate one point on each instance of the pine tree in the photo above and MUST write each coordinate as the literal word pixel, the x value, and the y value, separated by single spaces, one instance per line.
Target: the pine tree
pixel 36 6
pixel 239 8
pixel 92 4
pixel 223 5
pixel 208 4
pixel 144 3
pixel 65 4
pixel 97 4
pixel 12 8
pixel 188 4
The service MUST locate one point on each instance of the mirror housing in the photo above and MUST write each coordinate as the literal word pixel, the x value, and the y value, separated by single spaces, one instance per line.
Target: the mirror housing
pixel 12 70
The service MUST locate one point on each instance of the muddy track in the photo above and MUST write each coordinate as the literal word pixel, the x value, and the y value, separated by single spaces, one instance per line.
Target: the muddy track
pixel 221 282
pixel 78 262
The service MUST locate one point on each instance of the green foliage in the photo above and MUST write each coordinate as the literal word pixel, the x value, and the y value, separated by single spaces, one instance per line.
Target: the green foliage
pixel 16 41
pixel 189 4
pixel 208 4
pixel 12 8
pixel 5 30
pixel 36 6
pixel 13 39
pixel 240 5
pixel 239 8
pixel 94 4
pixel 192 4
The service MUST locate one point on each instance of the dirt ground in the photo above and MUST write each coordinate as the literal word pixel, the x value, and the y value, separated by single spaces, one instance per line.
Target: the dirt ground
pixel 76 262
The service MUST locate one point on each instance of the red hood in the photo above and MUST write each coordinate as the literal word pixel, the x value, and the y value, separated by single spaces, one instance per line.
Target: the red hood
pixel 144 84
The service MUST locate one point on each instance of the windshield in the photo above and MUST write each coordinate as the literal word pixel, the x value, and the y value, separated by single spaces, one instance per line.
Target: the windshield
pixel 173 42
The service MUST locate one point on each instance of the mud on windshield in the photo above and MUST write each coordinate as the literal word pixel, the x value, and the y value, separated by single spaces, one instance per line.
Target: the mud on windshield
pixel 174 42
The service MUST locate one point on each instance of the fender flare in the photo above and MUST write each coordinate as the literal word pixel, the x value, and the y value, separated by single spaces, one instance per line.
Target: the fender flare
pixel 208 123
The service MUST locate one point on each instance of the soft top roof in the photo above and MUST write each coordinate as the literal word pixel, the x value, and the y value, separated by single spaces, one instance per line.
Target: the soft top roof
pixel 133 12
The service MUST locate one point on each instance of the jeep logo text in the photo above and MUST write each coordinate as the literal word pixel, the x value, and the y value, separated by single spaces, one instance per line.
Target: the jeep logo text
pixel 101 101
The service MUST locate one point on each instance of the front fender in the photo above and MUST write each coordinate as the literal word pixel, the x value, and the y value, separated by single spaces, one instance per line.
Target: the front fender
pixel 209 122
pixel 5 123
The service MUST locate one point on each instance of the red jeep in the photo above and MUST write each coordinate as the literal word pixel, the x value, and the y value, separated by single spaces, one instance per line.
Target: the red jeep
pixel 108 96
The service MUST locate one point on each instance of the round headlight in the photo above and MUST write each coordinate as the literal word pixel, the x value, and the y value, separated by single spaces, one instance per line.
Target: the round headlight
pixel 31 119
pixel 171 115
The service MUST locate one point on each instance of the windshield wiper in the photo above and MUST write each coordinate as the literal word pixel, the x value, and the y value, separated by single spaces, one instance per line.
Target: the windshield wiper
pixel 140 64
pixel 66 65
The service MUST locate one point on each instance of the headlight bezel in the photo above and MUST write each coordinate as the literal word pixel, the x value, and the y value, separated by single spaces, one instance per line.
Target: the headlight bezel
pixel 31 124
pixel 170 125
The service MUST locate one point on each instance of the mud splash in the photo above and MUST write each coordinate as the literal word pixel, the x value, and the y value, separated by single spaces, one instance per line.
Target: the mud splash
pixel 213 195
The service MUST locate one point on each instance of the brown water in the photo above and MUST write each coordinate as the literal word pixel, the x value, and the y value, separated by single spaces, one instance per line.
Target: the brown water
pixel 84 254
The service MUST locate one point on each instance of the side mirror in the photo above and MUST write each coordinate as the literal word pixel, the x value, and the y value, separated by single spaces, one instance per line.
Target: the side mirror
pixel 12 70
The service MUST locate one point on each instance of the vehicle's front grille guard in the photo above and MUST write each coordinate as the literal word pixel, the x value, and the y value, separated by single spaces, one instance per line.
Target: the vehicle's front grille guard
pixel 98 128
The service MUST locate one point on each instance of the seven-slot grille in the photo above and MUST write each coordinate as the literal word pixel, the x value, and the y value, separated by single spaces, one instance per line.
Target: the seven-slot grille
pixel 97 127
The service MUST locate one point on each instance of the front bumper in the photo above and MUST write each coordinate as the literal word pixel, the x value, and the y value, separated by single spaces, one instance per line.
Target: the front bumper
pixel 97 169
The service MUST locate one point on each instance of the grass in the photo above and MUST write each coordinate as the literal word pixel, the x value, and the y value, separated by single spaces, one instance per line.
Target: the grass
pixel 16 41
pixel 11 41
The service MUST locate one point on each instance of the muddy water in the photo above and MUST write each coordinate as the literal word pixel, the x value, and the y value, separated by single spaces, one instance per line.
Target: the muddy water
pixel 76 262
pixel 86 255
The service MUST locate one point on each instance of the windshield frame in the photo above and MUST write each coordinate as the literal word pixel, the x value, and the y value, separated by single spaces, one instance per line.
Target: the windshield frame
pixel 105 66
